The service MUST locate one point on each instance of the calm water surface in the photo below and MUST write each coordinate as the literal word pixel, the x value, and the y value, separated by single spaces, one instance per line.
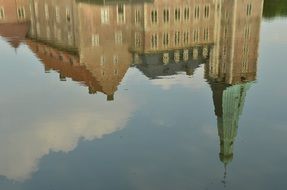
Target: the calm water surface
pixel 102 96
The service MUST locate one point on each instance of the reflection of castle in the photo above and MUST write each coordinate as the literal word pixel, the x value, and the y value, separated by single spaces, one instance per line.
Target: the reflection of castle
pixel 162 38
pixel 109 36
pixel 96 43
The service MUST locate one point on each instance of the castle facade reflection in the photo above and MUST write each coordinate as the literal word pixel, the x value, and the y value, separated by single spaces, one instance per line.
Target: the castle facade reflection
pixel 96 43
pixel 109 37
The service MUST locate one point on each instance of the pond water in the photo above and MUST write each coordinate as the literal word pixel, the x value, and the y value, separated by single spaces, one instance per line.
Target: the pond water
pixel 143 95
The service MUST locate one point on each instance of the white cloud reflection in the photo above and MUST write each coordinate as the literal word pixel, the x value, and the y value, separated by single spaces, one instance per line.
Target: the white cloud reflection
pixel 181 79
pixel 21 147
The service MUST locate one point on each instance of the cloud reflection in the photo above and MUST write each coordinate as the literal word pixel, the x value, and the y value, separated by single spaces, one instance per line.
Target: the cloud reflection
pixel 181 79
pixel 21 147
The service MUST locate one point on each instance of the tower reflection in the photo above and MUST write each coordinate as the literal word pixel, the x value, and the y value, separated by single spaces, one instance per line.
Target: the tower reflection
pixel 232 71
pixel 235 53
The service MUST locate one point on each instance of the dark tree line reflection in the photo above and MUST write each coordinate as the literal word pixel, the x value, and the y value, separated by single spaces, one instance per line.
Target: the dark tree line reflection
pixel 275 8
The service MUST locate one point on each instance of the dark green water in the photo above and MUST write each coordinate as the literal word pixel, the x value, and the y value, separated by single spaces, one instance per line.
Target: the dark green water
pixel 77 122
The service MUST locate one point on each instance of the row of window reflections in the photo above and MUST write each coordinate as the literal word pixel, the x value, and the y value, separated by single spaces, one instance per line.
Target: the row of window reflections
pixel 118 39
pixel 179 38
pixel 104 13
pixel 180 14
pixel 58 34
pixel 20 13
pixel 244 65
pixel 154 14
pixel 70 60
pixel 57 12
pixel 244 59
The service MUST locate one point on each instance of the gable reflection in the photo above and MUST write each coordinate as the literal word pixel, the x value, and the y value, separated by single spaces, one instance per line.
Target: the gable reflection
pixel 95 44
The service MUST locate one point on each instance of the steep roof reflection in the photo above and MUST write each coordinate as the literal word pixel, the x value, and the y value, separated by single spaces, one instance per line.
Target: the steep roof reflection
pixel 14 33
pixel 67 65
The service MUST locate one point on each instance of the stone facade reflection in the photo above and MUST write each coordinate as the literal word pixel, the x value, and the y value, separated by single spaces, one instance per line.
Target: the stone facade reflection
pixel 55 22
pixel 234 57
pixel 158 35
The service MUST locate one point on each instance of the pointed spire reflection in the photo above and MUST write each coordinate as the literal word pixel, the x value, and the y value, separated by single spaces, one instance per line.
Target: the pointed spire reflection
pixel 229 102
pixel 232 68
